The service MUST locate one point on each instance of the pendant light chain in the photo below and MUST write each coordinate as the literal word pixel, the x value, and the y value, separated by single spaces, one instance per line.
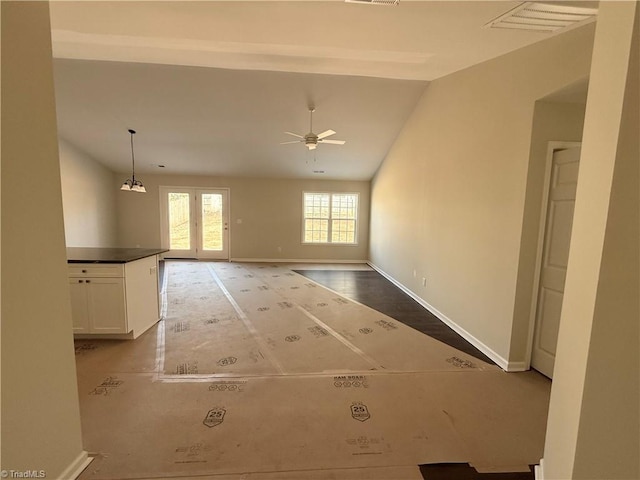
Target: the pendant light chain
pixel 133 158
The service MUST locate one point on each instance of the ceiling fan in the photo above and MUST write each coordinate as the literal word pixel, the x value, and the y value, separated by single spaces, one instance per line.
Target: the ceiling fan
pixel 311 140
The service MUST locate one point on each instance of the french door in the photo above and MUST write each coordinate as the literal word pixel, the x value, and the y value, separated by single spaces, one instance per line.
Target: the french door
pixel 195 222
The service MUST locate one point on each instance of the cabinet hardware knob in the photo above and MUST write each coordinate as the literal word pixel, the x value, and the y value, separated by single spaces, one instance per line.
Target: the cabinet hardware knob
pixel 84 271
pixel 88 281
pixel 80 281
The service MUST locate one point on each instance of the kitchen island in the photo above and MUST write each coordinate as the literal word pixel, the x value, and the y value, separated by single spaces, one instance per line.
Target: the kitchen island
pixel 114 291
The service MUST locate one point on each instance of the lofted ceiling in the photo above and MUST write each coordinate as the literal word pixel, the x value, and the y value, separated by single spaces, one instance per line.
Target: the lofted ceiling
pixel 211 87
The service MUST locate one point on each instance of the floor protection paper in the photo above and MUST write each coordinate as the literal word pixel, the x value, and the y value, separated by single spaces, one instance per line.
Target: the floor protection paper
pixel 291 423
pixel 226 318
pixel 223 393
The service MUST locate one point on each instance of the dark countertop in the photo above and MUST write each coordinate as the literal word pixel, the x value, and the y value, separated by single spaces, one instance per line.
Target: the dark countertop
pixel 109 255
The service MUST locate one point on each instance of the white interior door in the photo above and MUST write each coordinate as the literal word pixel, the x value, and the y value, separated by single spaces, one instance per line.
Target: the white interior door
pixel 557 237
pixel 195 222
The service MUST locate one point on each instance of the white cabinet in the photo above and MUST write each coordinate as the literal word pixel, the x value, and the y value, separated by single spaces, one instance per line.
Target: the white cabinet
pixel 120 300
pixel 79 305
pixel 98 305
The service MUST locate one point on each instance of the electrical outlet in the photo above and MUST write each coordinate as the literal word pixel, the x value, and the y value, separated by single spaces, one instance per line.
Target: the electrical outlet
pixel 424 282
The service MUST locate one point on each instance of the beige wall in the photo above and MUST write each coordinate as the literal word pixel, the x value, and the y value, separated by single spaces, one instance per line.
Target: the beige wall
pixel 551 122
pixel 88 199
pixel 593 428
pixel 452 190
pixel 40 411
pixel 270 211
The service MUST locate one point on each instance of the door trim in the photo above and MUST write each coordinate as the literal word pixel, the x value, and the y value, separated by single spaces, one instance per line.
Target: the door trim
pixel 163 189
pixel 552 147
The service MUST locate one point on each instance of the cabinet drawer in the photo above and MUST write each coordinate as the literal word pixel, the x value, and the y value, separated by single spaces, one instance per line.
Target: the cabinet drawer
pixel 82 270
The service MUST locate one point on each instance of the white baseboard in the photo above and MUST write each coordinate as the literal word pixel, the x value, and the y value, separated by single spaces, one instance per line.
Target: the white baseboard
pixel 517 367
pixel 539 470
pixel 76 467
pixel 499 360
pixel 293 260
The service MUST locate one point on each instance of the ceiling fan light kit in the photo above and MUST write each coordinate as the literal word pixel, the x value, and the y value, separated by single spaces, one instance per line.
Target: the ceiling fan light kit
pixel 131 184
pixel 311 140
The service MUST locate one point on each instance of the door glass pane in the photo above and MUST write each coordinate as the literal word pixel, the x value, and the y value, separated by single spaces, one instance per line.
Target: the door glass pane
pixel 212 224
pixel 179 232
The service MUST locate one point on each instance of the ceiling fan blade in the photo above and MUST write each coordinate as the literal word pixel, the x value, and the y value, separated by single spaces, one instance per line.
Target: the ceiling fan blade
pixel 334 142
pixel 328 133
pixel 294 141
pixel 294 134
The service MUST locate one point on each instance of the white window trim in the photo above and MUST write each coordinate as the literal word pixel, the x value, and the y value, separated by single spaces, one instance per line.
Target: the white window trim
pixel 329 243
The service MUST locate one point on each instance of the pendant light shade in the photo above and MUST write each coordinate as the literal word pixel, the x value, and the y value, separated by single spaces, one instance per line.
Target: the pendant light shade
pixel 131 184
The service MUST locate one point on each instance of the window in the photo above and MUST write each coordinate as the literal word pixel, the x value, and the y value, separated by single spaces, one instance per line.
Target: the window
pixel 330 218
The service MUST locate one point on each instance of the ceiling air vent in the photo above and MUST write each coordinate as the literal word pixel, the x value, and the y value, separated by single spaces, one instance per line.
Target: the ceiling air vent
pixel 375 2
pixel 543 17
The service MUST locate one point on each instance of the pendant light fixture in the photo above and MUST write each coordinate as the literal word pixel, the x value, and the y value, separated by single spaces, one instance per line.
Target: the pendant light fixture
pixel 131 184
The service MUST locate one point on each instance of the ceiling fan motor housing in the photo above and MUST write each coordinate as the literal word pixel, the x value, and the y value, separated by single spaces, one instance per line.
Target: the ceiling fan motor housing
pixel 311 140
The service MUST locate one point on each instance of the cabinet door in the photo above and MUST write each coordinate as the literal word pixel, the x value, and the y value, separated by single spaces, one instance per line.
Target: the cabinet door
pixel 107 305
pixel 79 305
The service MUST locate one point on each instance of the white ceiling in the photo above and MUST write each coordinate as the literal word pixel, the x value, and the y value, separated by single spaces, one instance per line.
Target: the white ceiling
pixel 210 87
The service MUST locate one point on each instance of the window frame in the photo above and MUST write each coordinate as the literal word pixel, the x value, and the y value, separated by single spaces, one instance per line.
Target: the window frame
pixel 330 218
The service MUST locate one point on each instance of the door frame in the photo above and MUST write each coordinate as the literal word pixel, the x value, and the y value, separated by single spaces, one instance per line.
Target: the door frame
pixel 552 147
pixel 164 239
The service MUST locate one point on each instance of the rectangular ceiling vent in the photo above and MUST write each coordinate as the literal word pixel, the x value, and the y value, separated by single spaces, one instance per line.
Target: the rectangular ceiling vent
pixel 375 2
pixel 543 17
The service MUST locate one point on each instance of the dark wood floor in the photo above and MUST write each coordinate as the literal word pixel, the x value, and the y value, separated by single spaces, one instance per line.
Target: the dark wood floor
pixel 462 471
pixel 375 291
